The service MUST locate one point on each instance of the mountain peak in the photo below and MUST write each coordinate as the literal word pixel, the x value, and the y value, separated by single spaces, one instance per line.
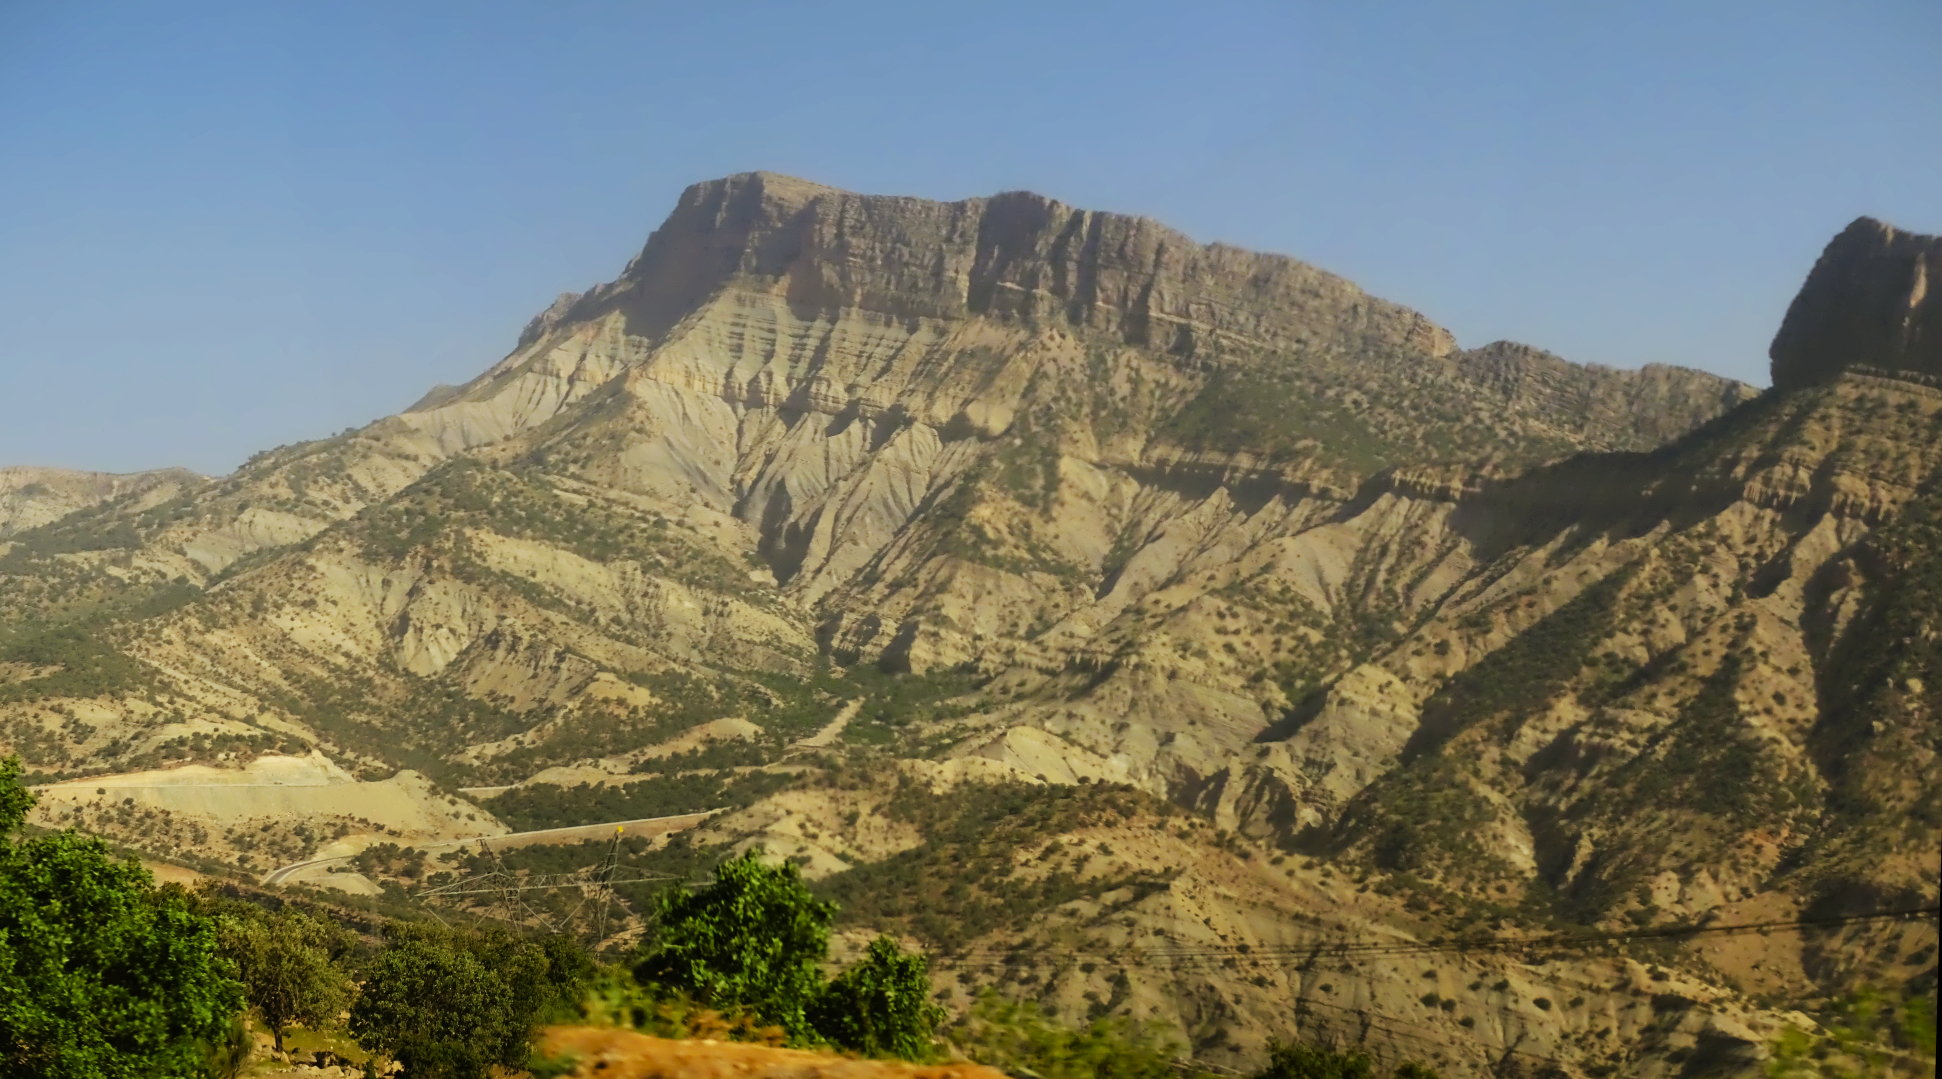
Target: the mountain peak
pixel 1015 255
pixel 1866 304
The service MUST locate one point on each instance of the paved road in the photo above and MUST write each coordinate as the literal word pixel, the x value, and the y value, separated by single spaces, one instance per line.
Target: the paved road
pixel 277 875
pixel 578 833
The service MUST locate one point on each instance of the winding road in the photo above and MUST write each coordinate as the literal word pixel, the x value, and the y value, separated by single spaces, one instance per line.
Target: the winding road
pixel 577 833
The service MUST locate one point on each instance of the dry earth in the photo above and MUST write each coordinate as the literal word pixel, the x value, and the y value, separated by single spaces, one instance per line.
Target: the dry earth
pixel 623 1054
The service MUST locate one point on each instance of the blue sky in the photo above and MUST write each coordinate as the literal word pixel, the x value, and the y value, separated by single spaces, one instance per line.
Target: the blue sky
pixel 223 228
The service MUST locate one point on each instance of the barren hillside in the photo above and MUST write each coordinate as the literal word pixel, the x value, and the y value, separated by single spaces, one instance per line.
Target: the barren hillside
pixel 1160 612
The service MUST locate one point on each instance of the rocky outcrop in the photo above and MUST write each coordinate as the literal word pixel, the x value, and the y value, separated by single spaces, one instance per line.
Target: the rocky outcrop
pixel 1874 300
pixel 1025 260
pixel 1607 407
pixel 1015 255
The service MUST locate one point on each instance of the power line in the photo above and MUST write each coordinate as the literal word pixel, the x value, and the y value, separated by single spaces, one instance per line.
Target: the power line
pixel 1366 1019
pixel 1218 956
pixel 1380 948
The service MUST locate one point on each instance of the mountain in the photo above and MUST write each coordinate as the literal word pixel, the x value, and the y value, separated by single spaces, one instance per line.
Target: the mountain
pixel 1120 615
pixel 1866 306
pixel 30 497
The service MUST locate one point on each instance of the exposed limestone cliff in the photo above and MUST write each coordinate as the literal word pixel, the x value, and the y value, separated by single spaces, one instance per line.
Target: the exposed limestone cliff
pixel 1874 300
pixel 1031 263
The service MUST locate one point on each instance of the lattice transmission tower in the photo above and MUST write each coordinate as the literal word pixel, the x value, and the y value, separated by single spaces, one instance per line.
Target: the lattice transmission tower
pixel 586 918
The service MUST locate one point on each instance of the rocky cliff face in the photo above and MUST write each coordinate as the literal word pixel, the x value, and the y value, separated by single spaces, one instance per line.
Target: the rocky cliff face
pixel 908 499
pixel 1871 302
pixel 1036 265
pixel 1013 255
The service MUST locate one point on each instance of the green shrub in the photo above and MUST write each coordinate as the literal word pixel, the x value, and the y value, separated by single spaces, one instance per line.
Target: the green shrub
pixel 101 974
pixel 286 963
pixel 751 941
pixel 1292 1060
pixel 1872 1038
pixel 1019 1039
pixel 451 1005
pixel 881 1006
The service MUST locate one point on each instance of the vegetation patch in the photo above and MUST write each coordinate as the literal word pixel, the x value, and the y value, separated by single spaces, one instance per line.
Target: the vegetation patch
pixel 71 661
pixel 521 503
pixel 546 805
pixel 968 878
pixel 1519 678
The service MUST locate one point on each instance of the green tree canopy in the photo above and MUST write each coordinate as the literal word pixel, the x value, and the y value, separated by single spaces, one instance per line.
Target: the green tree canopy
pixel 751 940
pixel 1296 1061
pixel 101 974
pixel 881 1006
pixel 570 972
pixel 1016 1037
pixel 15 799
pixel 286 963
pixel 449 1005
pixel 1871 1039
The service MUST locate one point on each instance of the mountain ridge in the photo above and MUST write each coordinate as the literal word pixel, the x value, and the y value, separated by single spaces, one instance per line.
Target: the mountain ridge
pixel 863 515
pixel 1866 304
pixel 31 496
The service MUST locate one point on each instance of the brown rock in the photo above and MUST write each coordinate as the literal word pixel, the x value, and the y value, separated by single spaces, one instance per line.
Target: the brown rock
pixel 1016 254
pixel 1866 304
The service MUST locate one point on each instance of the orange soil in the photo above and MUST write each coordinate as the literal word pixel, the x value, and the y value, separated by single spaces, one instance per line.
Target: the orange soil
pixel 623 1054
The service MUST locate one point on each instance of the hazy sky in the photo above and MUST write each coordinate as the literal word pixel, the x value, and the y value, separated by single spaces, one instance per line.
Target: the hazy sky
pixel 223 228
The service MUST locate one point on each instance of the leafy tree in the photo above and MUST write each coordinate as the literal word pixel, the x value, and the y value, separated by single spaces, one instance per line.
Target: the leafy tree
pixel 881 1006
pixel 15 799
pixel 1872 1039
pixel 751 940
pixel 1017 1038
pixel 616 999
pixel 540 976
pixel 286 963
pixel 450 1006
pixel 570 972
pixel 225 1055
pixel 436 1010
pixel 101 975
pixel 1297 1061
